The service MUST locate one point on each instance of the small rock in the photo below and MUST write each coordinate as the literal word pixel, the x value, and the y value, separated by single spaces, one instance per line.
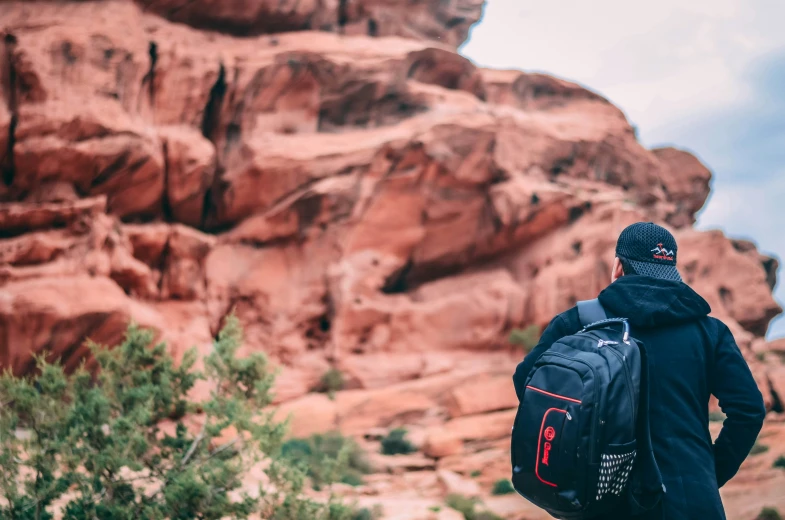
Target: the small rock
pixel 485 394
pixel 397 464
pixel 447 513
pixel 440 444
pixel 375 434
pixel 454 483
pixel 313 413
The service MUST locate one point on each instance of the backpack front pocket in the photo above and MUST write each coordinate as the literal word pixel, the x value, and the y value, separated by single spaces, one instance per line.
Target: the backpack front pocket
pixel 551 436
pixel 549 463
pixel 547 438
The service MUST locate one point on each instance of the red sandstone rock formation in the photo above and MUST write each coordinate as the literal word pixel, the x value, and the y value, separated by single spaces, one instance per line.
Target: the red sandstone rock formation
pixel 370 201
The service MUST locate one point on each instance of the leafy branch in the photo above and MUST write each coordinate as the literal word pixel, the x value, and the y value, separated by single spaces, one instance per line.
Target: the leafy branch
pixel 119 442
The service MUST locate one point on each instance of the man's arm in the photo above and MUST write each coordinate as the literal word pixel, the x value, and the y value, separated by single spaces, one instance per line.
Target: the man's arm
pixel 740 400
pixel 556 329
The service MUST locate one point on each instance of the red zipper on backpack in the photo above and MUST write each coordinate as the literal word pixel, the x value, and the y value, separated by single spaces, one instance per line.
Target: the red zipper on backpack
pixel 553 395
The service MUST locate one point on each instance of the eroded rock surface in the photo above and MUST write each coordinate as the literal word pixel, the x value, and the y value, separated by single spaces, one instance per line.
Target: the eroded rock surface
pixel 445 20
pixel 362 197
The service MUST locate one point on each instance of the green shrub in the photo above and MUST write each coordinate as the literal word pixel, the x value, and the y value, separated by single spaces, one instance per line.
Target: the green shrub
pixel 369 514
pixel 435 509
pixel 527 338
pixel 768 513
pixel 341 511
pixel 331 382
pixel 780 462
pixel 467 507
pixel 328 457
pixel 352 478
pixel 503 487
pixel 396 443
pixel 758 448
pixel 716 416
pixel 476 473
pixel 114 444
pixel 486 515
pixel 462 504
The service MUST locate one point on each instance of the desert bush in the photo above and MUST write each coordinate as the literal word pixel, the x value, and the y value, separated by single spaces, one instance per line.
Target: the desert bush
pixel 328 457
pixel 758 448
pixel 780 462
pixel 467 506
pixel 486 515
pixel 527 338
pixel 502 487
pixel 114 443
pixel 716 416
pixel 395 442
pixel 462 504
pixel 768 513
pixel 365 513
pixel 331 382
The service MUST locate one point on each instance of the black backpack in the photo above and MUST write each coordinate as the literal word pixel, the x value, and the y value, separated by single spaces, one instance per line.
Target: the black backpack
pixel 580 444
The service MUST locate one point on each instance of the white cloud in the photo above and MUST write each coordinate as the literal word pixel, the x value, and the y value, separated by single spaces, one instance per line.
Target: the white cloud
pixel 659 61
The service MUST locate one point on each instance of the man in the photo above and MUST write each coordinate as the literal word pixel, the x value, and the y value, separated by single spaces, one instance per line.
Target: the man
pixel 691 356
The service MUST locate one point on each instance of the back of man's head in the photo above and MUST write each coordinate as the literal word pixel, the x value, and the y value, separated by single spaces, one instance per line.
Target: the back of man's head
pixel 646 249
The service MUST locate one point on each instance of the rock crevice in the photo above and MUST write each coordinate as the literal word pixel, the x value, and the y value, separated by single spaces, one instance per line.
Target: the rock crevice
pixel 10 87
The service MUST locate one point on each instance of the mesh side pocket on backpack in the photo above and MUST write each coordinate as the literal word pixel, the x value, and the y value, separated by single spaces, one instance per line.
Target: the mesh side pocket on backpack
pixel 615 469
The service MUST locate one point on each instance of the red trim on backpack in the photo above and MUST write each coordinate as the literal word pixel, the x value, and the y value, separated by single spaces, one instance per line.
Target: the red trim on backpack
pixel 553 395
pixel 539 443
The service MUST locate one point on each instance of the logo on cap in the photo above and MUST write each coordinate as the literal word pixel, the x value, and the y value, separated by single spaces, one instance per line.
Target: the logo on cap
pixel 662 253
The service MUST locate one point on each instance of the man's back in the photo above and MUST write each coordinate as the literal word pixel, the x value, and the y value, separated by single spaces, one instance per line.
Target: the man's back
pixel 691 356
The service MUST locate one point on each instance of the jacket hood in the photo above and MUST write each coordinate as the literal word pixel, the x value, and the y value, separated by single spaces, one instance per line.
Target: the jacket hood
pixel 652 302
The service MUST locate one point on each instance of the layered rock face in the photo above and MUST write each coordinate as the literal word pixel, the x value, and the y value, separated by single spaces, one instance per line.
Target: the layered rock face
pixel 359 194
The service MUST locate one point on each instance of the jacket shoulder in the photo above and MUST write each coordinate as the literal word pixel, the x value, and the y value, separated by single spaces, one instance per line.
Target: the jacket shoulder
pixel 570 321
pixel 715 327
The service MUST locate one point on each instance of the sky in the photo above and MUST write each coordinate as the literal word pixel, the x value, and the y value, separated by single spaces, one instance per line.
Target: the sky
pixel 707 76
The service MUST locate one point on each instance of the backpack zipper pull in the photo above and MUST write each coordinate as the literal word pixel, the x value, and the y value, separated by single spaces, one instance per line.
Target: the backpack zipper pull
pixel 569 417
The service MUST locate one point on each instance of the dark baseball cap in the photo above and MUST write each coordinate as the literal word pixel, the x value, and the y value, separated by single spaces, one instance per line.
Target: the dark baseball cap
pixel 649 249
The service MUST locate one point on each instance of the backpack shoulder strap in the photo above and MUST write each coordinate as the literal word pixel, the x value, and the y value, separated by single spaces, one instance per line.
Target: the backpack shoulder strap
pixel 590 311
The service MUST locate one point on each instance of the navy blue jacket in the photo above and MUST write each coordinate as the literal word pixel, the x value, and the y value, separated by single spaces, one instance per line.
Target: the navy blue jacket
pixel 691 356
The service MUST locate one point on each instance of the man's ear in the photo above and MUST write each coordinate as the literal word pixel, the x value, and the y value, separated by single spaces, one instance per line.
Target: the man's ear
pixel 617 271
